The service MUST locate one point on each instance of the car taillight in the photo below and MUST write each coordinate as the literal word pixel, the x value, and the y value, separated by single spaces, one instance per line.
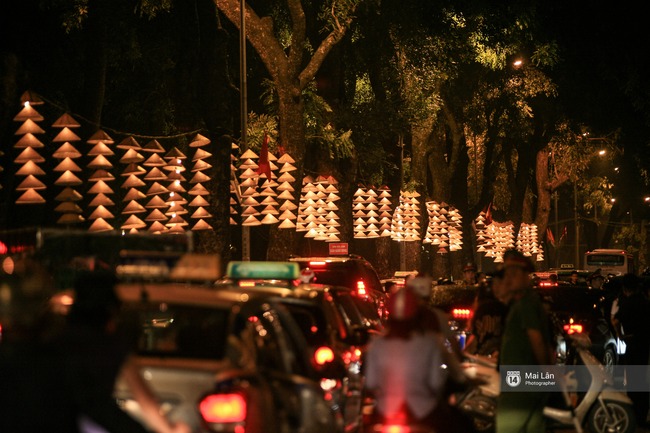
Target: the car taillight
pixel 548 284
pixel 223 408
pixel 461 313
pixel 323 355
pixel 245 283
pixel 361 288
pixel 573 328
pixel 317 264
pixel 394 428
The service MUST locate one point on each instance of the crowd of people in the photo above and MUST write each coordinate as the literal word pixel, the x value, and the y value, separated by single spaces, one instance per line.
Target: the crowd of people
pixel 509 325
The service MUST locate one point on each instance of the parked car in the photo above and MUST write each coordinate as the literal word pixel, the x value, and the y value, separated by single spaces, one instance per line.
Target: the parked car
pixel 330 318
pixel 580 310
pixel 224 362
pixel 351 271
pixel 457 301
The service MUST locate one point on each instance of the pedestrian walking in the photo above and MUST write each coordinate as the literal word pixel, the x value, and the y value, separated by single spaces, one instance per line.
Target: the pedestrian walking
pixel 526 341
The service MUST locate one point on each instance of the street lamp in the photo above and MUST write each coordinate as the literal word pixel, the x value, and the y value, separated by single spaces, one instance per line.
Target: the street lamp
pixel 243 112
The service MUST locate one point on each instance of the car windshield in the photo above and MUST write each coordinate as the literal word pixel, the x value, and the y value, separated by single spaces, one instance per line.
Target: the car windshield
pixel 570 300
pixel 310 320
pixel 179 331
pixel 447 297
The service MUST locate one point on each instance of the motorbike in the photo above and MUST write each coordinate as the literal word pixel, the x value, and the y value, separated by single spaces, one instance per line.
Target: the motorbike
pixel 601 409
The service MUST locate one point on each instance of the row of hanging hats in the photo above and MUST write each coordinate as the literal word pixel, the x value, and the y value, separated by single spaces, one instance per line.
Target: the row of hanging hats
pixel 445 227
pixel 528 243
pixel 494 238
pixel 165 202
pixel 405 225
pixel 371 212
pixel 317 211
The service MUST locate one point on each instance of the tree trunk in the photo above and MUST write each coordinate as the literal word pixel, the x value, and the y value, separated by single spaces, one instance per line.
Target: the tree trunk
pixel 282 242
pixel 543 193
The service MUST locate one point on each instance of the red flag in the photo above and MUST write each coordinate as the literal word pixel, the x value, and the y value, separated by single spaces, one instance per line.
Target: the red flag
pixel 488 214
pixel 549 236
pixel 563 235
pixel 263 164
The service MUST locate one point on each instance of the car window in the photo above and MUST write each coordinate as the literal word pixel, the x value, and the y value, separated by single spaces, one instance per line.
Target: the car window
pixel 311 321
pixel 179 331
pixel 359 312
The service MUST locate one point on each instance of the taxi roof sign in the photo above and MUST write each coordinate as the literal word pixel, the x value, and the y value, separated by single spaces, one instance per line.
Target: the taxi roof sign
pixel 263 271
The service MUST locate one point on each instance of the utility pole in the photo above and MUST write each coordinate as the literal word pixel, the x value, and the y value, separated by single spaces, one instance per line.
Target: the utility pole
pixel 557 231
pixel 243 108
pixel 402 245
pixel 576 222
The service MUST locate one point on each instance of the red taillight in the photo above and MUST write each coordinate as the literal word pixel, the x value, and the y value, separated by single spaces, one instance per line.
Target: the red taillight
pixel 547 284
pixel 223 408
pixel 246 283
pixel 461 313
pixel 361 288
pixel 317 264
pixel 393 428
pixel 323 355
pixel 573 328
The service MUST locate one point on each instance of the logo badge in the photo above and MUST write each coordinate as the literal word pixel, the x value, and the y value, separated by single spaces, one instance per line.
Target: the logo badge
pixel 513 378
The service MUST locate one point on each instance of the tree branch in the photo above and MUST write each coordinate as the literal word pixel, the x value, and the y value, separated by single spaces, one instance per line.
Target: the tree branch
pixel 298 35
pixel 259 32
pixel 325 47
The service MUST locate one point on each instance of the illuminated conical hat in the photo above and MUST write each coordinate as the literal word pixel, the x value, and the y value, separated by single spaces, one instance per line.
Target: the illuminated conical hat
pixel 198 189
pixel 156 203
pixel 176 209
pixel 133 169
pixel 286 159
pixel 100 136
pixel 200 177
pixel 287 167
pixel 131 156
pixel 153 147
pixel 247 183
pixel 133 222
pixel 249 154
pixel 201 225
pixel 198 201
pixel 66 134
pixel 100 225
pixel 28 112
pixel 251 221
pixel 70 218
pixel 248 163
pixel 200 165
pixel 29 126
pixel 30 197
pixel 30 182
pixel 133 194
pixel 133 182
pixel 101 199
pixel 175 199
pixel 100 187
pixel 199 141
pixel 288 205
pixel 174 165
pixel 68 178
pixel 176 187
pixel 156 215
pixel 102 175
pixel 66 121
pixel 175 229
pixel 286 178
pixel 101 149
pixel 287 224
pixel 100 161
pixel 155 160
pixel 101 212
pixel 28 154
pixel 30 167
pixel 68 194
pixel 172 175
pixel 285 195
pixel 269 219
pixel 287 214
pixel 157 226
pixel 200 154
pixel 156 188
pixel 30 98
pixel 66 150
pixel 155 174
pixel 67 164
pixel 249 210
pixel 177 220
pixel 129 143
pixel 201 213
pixel 133 207
pixel 28 140
pixel 175 154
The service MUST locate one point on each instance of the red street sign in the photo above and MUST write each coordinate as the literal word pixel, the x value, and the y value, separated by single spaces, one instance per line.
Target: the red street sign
pixel 339 249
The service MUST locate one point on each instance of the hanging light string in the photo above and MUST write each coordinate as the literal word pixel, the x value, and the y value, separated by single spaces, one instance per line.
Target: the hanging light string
pixel 115 131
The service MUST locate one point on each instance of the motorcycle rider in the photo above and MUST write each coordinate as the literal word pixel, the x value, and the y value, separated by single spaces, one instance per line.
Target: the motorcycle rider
pixel 405 374
pixel 526 341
